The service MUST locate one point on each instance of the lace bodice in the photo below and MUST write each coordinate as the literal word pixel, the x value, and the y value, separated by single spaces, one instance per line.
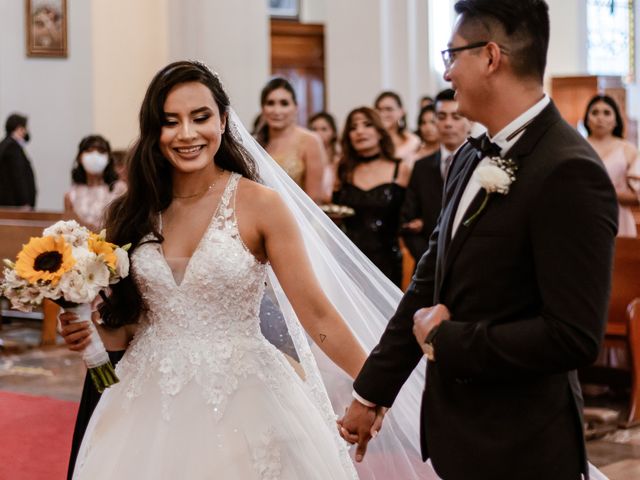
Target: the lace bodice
pixel 201 328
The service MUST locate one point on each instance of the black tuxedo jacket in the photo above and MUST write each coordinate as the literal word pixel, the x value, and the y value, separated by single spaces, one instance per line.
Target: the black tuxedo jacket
pixel 423 200
pixel 527 283
pixel 17 182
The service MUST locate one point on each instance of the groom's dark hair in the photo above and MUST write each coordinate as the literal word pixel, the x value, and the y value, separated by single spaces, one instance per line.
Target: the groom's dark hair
pixel 520 27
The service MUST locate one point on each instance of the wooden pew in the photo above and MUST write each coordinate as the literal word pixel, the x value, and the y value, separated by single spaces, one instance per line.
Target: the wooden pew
pixel 16 228
pixel 623 327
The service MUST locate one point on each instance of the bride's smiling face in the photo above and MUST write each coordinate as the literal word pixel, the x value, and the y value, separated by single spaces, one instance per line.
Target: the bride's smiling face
pixel 192 129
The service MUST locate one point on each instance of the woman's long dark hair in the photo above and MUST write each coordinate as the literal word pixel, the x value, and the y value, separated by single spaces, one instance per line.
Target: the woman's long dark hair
pixel 135 214
pixel 618 130
pixel 79 174
pixel 262 134
pixel 350 157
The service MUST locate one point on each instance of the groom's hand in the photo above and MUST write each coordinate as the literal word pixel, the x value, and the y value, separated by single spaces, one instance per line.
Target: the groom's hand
pixel 426 319
pixel 360 424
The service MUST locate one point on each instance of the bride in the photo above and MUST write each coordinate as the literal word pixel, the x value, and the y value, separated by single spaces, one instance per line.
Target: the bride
pixel 202 393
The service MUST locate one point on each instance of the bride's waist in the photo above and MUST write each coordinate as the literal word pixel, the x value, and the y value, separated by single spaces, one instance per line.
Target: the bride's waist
pixel 207 330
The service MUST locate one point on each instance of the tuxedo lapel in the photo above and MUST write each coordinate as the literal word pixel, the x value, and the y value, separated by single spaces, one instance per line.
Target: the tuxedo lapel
pixel 454 188
pixel 448 247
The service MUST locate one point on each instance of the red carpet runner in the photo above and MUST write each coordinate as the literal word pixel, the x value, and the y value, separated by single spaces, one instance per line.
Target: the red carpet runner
pixel 35 437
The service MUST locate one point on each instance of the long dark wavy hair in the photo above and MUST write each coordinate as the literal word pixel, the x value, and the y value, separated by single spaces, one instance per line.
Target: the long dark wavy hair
pixel 135 214
pixel 98 142
pixel 262 134
pixel 618 130
pixel 350 157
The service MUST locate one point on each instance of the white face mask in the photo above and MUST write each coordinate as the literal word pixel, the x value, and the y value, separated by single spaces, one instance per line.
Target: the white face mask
pixel 94 162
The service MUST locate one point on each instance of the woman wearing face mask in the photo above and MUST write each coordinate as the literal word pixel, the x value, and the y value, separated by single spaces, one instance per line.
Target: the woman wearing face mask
pixel 297 150
pixel 95 182
pixel 605 127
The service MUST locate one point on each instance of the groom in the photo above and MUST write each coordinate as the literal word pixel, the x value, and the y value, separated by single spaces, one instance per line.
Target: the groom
pixel 511 297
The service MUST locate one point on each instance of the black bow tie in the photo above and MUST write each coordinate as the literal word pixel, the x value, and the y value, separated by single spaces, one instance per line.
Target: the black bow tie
pixel 485 146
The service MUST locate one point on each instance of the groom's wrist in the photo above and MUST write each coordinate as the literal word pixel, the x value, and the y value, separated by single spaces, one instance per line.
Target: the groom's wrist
pixel 363 401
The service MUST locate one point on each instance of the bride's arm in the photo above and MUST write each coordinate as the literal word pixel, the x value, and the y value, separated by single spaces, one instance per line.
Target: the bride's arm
pixel 286 252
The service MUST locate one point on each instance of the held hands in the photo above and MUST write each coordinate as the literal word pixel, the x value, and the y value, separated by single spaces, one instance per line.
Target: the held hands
pixel 77 336
pixel 360 424
pixel 425 319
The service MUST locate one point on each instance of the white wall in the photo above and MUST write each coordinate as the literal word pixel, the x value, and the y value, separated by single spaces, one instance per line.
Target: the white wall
pixel 56 94
pixel 568 42
pixel 313 11
pixel 232 37
pixel 375 45
pixel 130 44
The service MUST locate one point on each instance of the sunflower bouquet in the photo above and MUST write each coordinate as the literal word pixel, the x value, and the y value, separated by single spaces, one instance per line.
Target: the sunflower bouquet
pixel 70 265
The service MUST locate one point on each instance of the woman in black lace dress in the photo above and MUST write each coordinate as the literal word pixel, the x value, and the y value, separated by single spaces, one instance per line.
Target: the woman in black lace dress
pixel 372 182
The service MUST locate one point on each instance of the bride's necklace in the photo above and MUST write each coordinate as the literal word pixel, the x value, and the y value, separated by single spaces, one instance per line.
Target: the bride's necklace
pixel 199 194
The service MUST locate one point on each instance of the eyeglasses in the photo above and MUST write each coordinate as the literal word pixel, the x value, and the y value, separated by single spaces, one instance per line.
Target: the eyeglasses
pixel 448 55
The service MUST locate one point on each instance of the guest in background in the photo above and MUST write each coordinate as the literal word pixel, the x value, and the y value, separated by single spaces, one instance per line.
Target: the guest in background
pixel 423 200
pixel 605 127
pixel 324 125
pixel 95 183
pixel 425 101
pixel 17 182
pixel 120 164
pixel 297 150
pixel 428 132
pixel 389 106
pixel 372 181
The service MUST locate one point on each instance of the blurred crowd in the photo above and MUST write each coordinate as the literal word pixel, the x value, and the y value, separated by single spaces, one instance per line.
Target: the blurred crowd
pixel 387 179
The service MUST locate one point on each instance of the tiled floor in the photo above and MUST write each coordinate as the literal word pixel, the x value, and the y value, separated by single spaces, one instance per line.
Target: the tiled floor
pixel 58 373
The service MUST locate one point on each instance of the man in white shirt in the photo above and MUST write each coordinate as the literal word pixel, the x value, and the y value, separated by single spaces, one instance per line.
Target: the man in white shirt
pixel 423 198
pixel 511 297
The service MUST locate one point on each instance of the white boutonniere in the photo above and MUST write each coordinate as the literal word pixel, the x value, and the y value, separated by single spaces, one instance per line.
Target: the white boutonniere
pixel 495 175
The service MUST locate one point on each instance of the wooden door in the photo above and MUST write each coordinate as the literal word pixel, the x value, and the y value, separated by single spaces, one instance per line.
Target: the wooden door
pixel 297 54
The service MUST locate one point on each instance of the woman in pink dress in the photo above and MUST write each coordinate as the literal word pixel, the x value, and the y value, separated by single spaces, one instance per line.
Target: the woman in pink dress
pixel 604 124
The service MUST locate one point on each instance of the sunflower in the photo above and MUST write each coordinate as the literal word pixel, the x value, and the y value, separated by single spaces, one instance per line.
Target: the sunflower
pixel 99 246
pixel 45 259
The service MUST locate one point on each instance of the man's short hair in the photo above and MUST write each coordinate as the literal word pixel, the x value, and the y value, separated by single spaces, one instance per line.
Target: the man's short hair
pixel 446 95
pixel 14 121
pixel 520 27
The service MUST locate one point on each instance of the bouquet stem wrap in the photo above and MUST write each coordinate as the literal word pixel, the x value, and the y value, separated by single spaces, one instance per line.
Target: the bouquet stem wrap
pixel 95 355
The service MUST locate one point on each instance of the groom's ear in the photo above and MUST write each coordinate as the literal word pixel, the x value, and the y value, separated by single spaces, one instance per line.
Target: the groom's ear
pixel 494 56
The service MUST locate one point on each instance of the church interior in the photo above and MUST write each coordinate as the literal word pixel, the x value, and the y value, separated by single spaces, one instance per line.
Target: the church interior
pixel 89 78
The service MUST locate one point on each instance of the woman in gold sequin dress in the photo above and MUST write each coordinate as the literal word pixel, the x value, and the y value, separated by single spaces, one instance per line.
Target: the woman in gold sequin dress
pixel 297 150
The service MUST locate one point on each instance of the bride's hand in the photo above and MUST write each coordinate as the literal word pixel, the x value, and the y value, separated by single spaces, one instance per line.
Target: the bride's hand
pixel 360 424
pixel 77 336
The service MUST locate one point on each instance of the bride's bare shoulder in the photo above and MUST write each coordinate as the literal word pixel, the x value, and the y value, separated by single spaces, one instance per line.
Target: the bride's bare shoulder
pixel 255 196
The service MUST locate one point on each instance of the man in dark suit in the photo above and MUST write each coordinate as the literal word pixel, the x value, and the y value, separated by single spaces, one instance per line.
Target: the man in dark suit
pixel 17 182
pixel 423 198
pixel 511 297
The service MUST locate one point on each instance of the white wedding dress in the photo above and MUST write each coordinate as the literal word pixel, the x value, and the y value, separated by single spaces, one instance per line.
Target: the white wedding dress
pixel 202 394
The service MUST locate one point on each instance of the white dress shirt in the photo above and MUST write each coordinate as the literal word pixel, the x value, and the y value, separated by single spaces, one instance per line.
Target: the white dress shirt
pixel 505 143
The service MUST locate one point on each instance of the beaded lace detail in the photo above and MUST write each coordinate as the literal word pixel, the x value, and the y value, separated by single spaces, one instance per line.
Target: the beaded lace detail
pixel 200 330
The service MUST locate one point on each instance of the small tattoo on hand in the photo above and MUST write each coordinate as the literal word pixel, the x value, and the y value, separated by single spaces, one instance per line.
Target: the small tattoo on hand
pixel 322 338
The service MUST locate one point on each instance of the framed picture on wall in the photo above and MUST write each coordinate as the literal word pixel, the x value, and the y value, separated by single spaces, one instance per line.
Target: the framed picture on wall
pixel 284 9
pixel 46 28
